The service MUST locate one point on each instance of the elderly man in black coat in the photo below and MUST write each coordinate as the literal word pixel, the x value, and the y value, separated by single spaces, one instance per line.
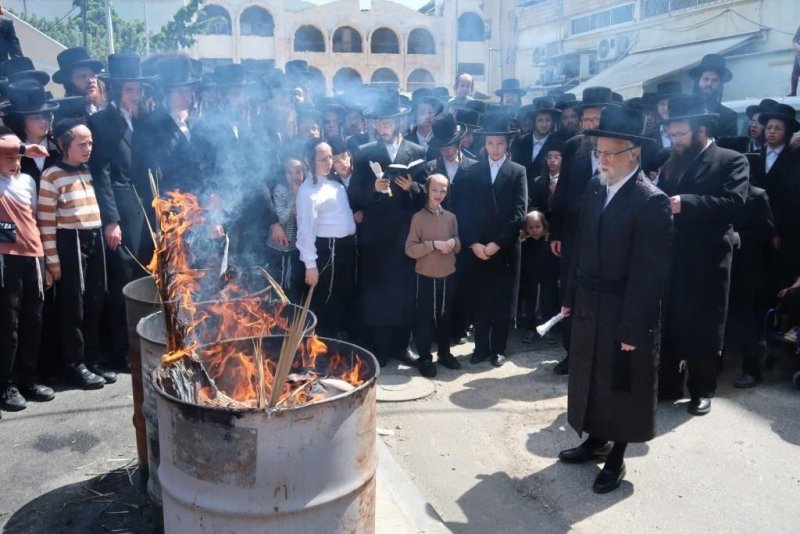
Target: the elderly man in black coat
pixel 617 273
pixel 707 185
pixel 497 200
pixel 387 274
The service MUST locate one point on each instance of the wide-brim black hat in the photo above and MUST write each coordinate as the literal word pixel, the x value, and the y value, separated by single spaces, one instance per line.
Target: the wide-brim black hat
pixel 446 131
pixel 71 59
pixel 27 98
pixel 21 68
pixel 540 104
pixel 687 107
pixel 766 104
pixel 498 123
pixel 713 62
pixel 70 107
pixel 175 71
pixel 468 117
pixel 620 122
pixel 595 97
pixel 783 112
pixel 229 76
pixel 665 91
pixel 388 107
pixel 125 68
pixel 510 85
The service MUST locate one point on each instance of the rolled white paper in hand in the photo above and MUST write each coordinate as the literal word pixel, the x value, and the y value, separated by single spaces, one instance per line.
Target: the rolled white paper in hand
pixel 542 329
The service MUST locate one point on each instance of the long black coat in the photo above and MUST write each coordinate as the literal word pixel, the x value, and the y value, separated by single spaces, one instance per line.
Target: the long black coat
pixel 496 214
pixel 712 190
pixel 626 244
pixel 162 148
pixel 458 190
pixel 755 226
pixel 387 274
pixel 112 177
pixel 565 205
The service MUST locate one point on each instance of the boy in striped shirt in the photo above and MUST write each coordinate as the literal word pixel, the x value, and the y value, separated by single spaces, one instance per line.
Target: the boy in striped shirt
pixel 72 237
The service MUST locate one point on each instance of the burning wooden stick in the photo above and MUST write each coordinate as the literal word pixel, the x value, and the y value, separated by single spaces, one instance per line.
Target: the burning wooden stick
pixel 291 342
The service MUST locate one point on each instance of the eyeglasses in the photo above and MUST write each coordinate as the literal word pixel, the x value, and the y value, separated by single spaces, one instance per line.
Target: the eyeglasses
pixel 609 155
pixel 678 135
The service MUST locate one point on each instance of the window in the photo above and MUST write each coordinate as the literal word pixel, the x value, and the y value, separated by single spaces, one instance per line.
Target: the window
pixel 316 80
pixel 654 8
pixel 256 21
pixel 347 39
pixel 308 39
pixel 418 79
pixel 384 77
pixel 470 27
pixel 384 41
pixel 602 19
pixel 217 19
pixel 421 42
pixel 346 79
pixel 476 69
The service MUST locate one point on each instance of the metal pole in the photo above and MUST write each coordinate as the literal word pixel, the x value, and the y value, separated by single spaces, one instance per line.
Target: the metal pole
pixel 146 32
pixel 109 28
pixel 85 31
pixel 25 7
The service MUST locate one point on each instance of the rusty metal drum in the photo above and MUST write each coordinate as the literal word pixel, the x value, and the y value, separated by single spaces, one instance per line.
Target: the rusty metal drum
pixel 153 345
pixel 141 299
pixel 305 469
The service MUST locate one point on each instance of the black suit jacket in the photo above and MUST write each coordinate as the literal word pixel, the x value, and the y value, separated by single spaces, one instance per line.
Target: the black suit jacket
pixel 383 214
pixel 783 169
pixel 727 124
pixel 28 165
pixel 111 158
pixel 755 225
pixel 456 196
pixel 9 43
pixel 521 152
pixel 576 171
pixel 162 148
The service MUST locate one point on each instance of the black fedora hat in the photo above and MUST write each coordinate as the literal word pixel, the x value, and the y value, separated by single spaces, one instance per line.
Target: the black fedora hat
pixel 69 107
pixel 175 71
pixel 620 122
pixel 498 123
pixel 389 106
pixel 566 101
pixel 739 143
pixel 595 97
pixel 666 90
pixel 229 76
pixel 27 98
pixel 73 58
pixel 687 107
pixel 510 85
pixel 475 105
pixel 18 69
pixel 783 112
pixel 713 62
pixel 125 68
pixel 766 104
pixel 468 117
pixel 446 131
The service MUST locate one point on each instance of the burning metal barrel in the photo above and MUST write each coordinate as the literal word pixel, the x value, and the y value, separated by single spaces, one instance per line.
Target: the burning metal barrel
pixel 271 316
pixel 141 299
pixel 307 465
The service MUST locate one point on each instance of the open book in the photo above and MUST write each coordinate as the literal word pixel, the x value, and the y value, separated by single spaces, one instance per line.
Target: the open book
pixel 396 169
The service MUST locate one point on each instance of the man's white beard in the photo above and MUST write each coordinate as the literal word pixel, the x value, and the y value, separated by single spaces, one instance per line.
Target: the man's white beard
pixel 603 177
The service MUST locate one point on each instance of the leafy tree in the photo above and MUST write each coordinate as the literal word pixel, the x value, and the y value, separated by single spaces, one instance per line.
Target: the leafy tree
pixel 180 32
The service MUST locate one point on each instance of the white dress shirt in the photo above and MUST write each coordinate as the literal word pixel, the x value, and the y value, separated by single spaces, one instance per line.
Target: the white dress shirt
pixel 182 125
pixel 451 167
pixel 322 211
pixel 612 189
pixel 772 156
pixel 393 148
pixel 125 115
pixel 494 167
pixel 538 144
pixel 595 163
pixel 666 142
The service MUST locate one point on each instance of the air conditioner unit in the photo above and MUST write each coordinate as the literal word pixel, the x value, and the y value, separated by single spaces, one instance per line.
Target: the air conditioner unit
pixel 548 76
pixel 612 48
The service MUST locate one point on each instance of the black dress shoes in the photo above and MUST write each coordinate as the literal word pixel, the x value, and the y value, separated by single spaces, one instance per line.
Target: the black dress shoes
pixel 581 454
pixel 478 357
pixel 699 406
pixel 497 360
pixel 109 376
pixel 85 379
pixel 746 380
pixel 410 358
pixel 449 361
pixel 38 392
pixel 608 479
pixel 562 367
pixel 11 400
pixel 427 369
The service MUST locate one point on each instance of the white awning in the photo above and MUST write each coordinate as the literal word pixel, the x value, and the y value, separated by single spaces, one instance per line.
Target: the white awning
pixel 629 74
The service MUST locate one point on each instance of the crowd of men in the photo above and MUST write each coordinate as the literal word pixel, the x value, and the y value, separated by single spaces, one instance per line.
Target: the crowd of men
pixel 652 223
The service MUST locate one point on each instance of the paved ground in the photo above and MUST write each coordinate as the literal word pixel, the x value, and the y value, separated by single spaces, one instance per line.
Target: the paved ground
pixel 483 450
pixel 479 454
